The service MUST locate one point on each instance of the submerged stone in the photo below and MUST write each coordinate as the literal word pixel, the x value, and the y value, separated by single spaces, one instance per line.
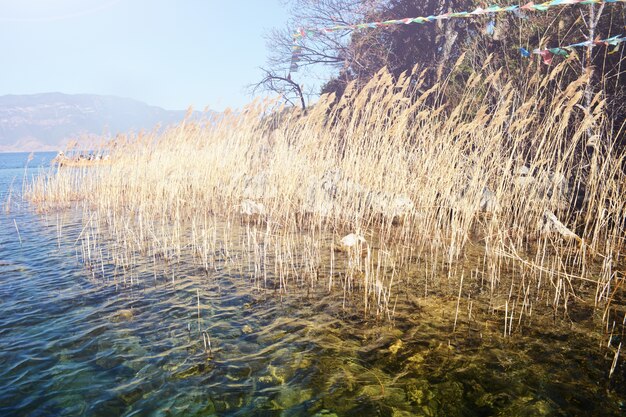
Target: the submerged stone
pixel 275 376
pixel 131 396
pixel 290 397
pixel 394 348
pixel 109 362
pixel 415 363
pixel 388 394
pixel 402 413
pixel 418 392
pixel 123 315
pixel 193 370
pixel 326 413
pixel 530 407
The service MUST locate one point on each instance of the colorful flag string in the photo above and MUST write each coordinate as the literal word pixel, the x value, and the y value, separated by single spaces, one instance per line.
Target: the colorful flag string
pixel 549 53
pixel 296 52
pixel 531 6
pixel 305 32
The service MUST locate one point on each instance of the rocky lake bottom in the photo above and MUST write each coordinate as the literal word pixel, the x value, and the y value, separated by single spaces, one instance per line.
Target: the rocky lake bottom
pixel 191 342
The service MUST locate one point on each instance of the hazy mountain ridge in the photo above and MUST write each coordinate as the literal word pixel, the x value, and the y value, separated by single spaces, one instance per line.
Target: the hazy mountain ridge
pixel 48 121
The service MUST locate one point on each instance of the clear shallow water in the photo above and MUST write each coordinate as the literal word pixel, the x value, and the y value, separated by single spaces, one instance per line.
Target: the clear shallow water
pixel 73 344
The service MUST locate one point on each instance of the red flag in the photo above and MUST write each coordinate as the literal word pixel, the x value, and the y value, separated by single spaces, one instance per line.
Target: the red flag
pixel 547 56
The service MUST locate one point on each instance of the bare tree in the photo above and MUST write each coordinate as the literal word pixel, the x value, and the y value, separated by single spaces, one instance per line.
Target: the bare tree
pixel 288 89
pixel 434 47
pixel 339 50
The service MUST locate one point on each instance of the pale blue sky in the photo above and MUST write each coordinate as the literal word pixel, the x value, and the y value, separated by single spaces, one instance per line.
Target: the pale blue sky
pixel 169 53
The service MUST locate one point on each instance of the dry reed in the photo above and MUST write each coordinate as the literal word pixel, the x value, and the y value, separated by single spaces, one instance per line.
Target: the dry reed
pixel 438 193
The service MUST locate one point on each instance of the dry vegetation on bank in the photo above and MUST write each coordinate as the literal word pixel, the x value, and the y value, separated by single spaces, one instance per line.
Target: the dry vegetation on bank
pixel 502 201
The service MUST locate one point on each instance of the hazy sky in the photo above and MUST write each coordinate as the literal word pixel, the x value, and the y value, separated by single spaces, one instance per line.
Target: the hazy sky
pixel 169 53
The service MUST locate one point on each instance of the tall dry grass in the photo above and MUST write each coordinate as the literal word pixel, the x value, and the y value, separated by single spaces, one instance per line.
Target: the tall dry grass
pixel 453 200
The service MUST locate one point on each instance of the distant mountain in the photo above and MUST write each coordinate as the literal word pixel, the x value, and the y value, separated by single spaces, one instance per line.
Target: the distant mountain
pixel 49 121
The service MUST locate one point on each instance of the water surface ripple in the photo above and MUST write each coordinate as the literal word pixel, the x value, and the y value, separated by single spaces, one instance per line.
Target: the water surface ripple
pixel 73 344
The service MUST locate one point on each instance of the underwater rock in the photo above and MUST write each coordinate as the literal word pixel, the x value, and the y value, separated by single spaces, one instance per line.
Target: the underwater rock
pixel 396 346
pixel 302 362
pixel 402 413
pixel 238 373
pixel 122 315
pixel 492 401
pixel 109 362
pixel 539 408
pixel 275 376
pixel 6 266
pixel 326 413
pixel 450 396
pixel 291 397
pixel 418 391
pixel 131 396
pixel 131 347
pixel 193 370
pixel 416 362
pixel 114 406
pixel 390 395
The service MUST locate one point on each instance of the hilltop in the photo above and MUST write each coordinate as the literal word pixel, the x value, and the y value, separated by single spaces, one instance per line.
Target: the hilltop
pixel 48 121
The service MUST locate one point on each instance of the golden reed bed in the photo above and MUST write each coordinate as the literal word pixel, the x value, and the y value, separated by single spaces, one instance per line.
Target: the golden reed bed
pixel 476 189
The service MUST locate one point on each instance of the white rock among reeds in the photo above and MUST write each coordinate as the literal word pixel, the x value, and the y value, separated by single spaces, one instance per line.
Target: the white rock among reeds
pixel 325 196
pixel 550 224
pixel 351 241
pixel 251 208
pixel 488 201
pixel 388 205
pixel 557 185
pixel 320 199
pixel 400 207
pixel 544 184
pixel 467 196
pixel 259 186
pixel 322 207
pixel 331 181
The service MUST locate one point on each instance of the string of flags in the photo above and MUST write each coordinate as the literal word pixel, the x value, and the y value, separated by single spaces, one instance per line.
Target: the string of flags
pixel 546 54
pixel 549 53
pixel 304 32
pixel 296 52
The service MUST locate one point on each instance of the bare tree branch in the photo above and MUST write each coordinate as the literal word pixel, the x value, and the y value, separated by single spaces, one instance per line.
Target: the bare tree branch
pixel 288 89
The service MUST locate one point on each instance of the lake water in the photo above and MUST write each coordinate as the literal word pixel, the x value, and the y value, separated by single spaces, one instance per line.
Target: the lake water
pixel 74 342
